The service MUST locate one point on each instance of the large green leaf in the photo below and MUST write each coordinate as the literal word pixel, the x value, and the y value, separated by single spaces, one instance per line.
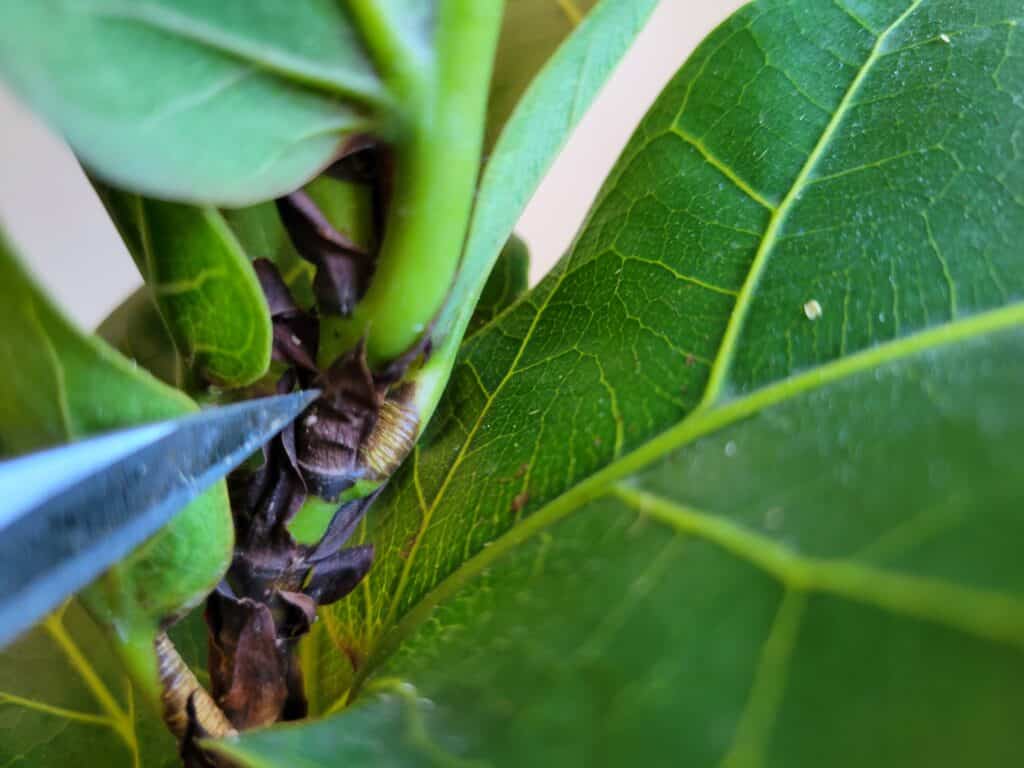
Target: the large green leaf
pixel 60 385
pixel 672 513
pixel 135 327
pixel 227 102
pixel 202 283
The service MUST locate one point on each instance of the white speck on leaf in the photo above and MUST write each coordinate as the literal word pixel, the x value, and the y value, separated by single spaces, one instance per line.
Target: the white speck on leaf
pixel 730 449
pixel 812 309
pixel 944 38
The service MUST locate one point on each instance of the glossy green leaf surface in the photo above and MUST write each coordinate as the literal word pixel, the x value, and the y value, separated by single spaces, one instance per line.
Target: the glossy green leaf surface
pixel 530 33
pixel 673 512
pixel 227 102
pixel 202 283
pixel 507 282
pixel 61 385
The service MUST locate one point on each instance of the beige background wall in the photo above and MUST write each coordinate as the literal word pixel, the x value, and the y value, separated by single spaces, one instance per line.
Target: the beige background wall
pixel 49 210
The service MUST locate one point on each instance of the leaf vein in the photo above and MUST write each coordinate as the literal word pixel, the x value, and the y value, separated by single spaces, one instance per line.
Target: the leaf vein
pixel 695 426
pixel 56 711
pixel 463 450
pixel 120 721
pixel 60 378
pixel 730 340
pixel 674 272
pixel 722 167
pixel 187 285
pixel 860 22
pixel 943 263
pixel 989 615
pixel 766 692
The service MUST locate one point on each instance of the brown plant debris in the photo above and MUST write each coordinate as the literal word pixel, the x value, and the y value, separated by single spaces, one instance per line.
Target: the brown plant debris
pixel 360 428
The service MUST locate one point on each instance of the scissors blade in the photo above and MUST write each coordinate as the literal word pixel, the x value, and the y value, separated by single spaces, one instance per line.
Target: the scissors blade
pixel 71 512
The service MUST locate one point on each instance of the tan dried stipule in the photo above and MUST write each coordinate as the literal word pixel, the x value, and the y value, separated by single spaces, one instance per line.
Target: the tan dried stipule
pixel 393 436
pixel 180 685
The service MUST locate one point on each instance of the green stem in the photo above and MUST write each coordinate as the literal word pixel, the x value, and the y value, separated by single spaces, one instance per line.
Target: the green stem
pixel 399 59
pixel 131 632
pixel 436 164
pixel 137 650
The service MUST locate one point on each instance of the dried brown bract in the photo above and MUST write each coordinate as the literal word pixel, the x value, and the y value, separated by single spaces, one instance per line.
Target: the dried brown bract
pixel 296 331
pixel 360 428
pixel 343 268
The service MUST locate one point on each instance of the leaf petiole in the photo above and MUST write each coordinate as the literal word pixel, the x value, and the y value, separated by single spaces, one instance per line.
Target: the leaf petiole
pixel 436 162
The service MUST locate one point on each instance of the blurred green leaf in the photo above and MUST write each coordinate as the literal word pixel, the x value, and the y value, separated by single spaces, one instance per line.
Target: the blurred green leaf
pixel 737 484
pixel 203 284
pixel 230 102
pixel 507 282
pixel 530 33
pixel 66 700
pixel 136 330
pixel 61 385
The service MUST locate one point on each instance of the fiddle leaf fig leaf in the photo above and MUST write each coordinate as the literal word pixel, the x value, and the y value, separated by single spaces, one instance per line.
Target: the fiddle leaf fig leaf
pixel 135 327
pixel 136 330
pixel 737 484
pixel 203 285
pixel 230 102
pixel 61 385
pixel 507 282
pixel 65 700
